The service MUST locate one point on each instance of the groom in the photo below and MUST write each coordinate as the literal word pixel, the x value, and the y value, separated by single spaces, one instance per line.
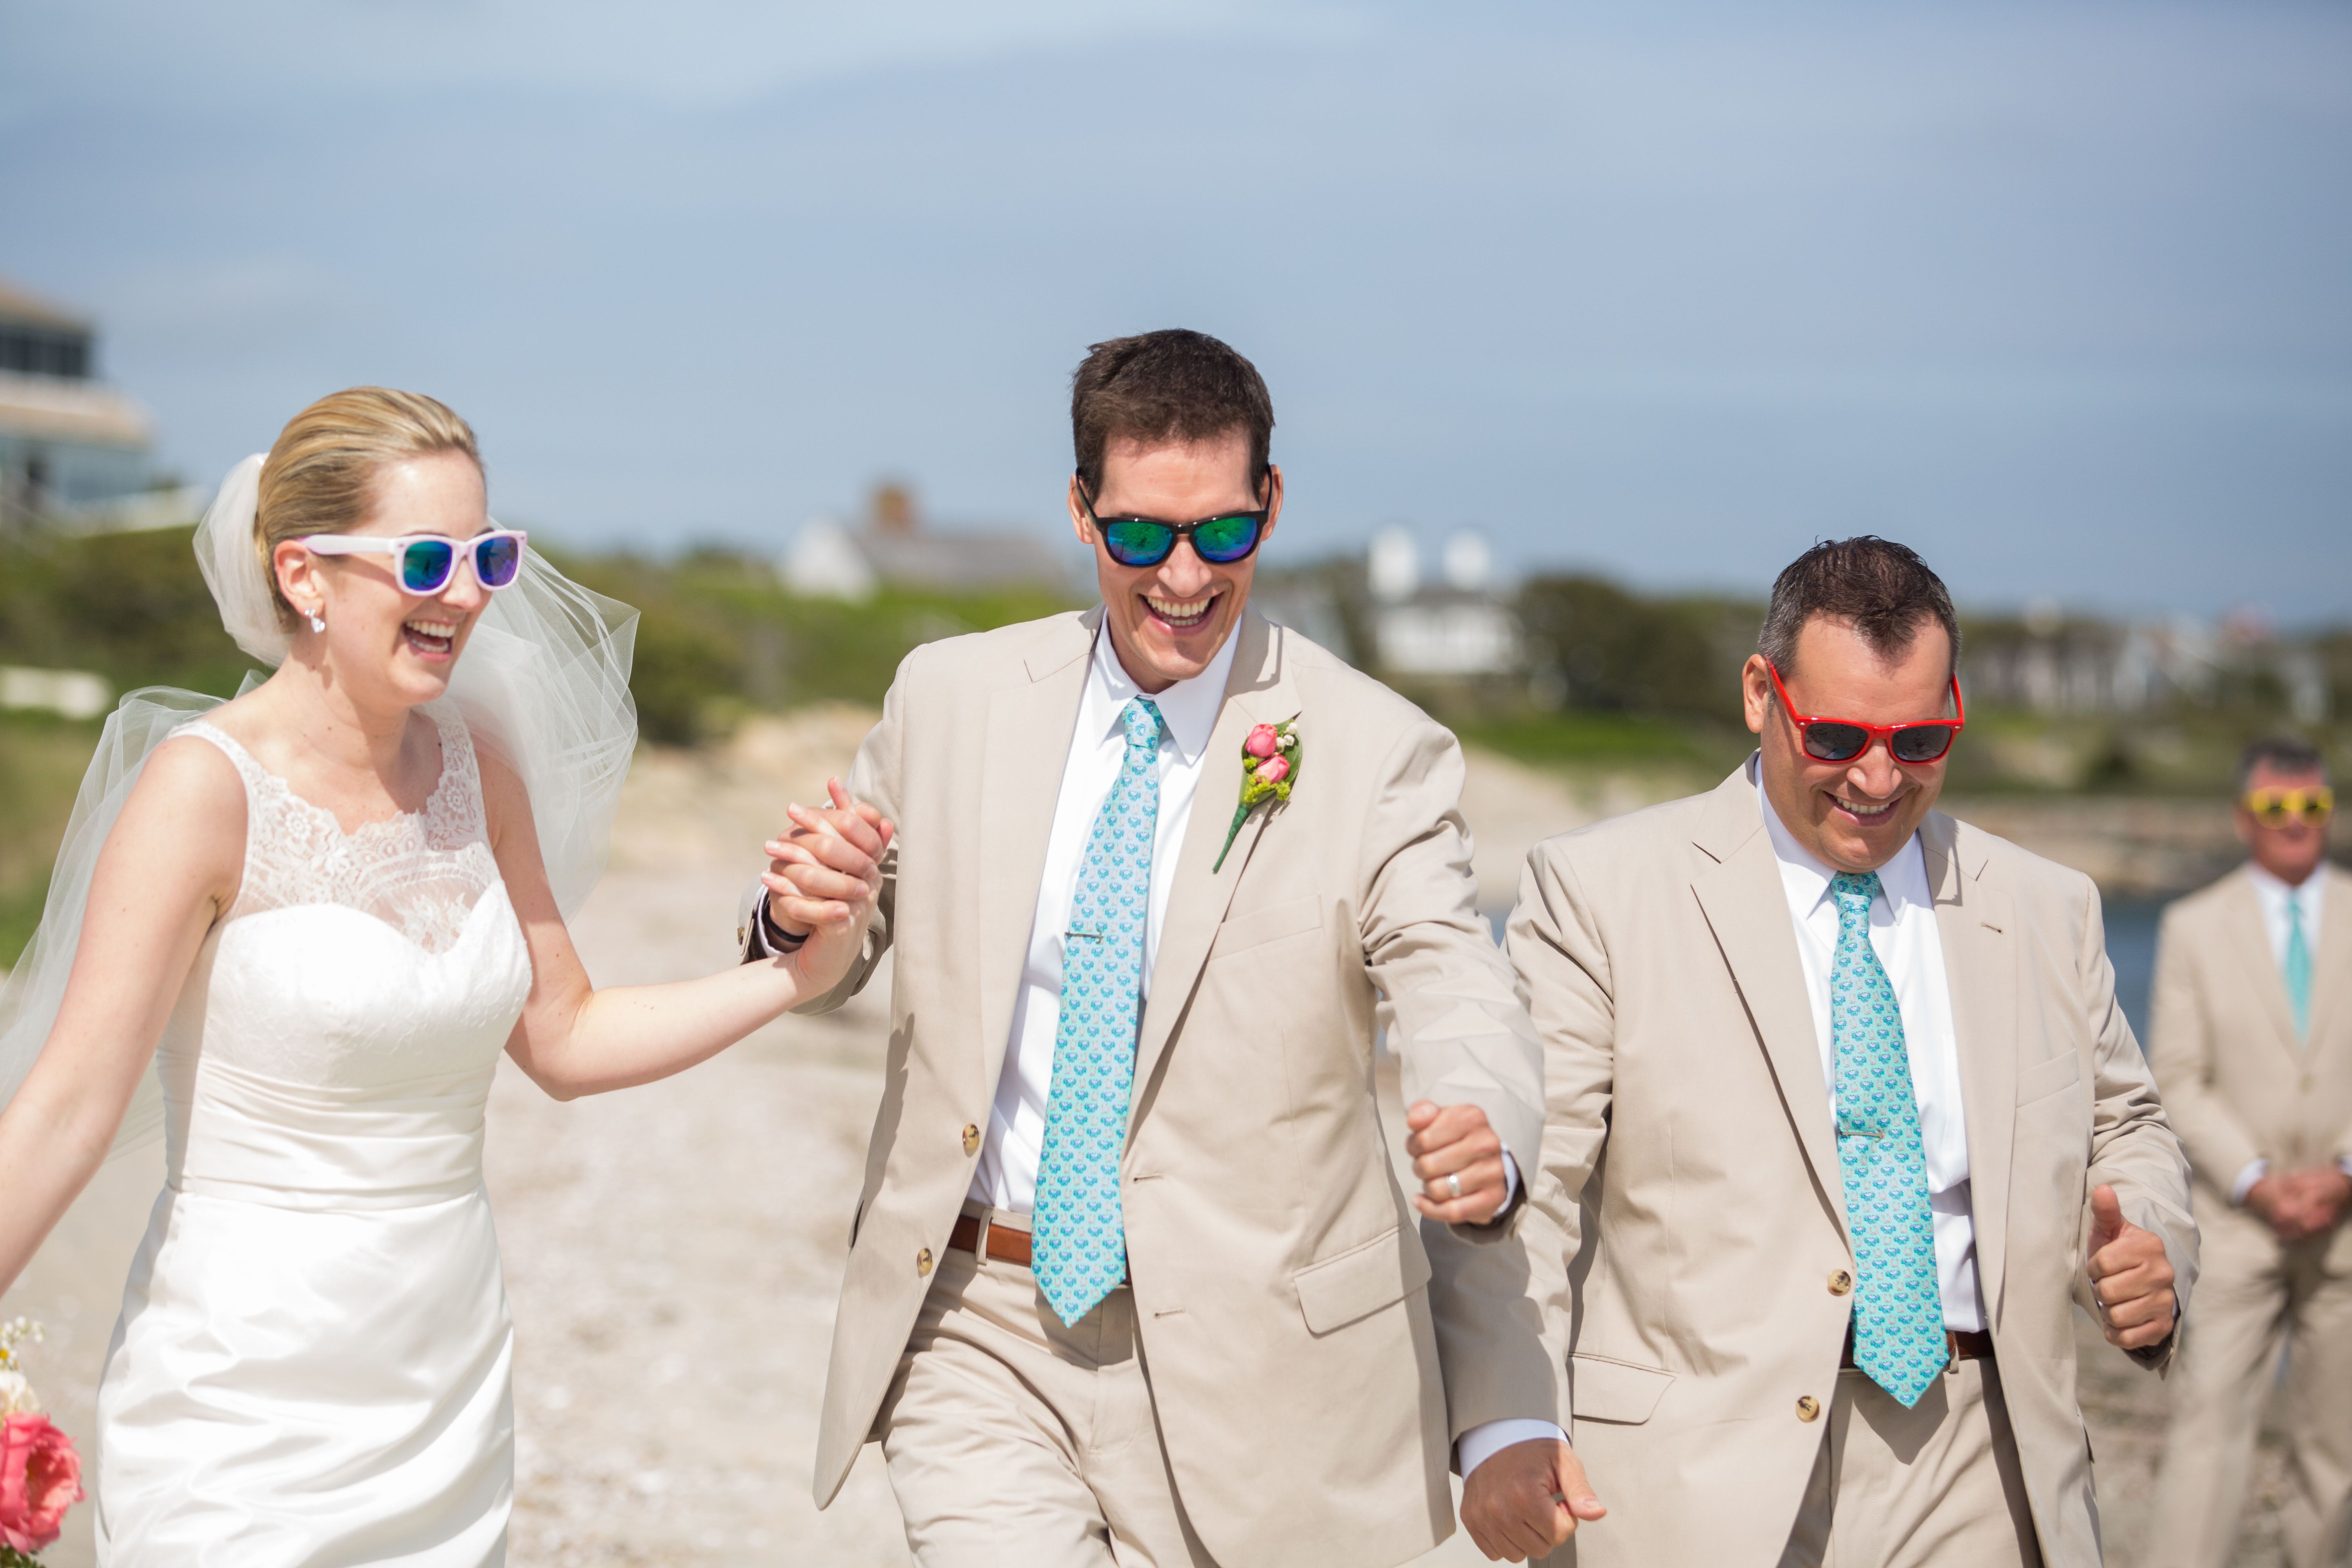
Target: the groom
pixel 1130 1279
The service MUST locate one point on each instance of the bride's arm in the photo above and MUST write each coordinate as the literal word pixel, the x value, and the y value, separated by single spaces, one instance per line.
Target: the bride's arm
pixel 169 867
pixel 573 1040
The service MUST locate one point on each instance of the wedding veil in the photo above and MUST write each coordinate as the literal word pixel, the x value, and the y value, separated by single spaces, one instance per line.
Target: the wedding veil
pixel 543 683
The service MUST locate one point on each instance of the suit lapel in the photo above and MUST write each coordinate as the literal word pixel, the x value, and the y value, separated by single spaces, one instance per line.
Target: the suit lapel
pixel 2331 968
pixel 1747 906
pixel 1975 927
pixel 1256 693
pixel 1031 717
pixel 2252 938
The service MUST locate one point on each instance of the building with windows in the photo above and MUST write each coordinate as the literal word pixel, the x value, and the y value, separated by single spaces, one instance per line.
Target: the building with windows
pixel 894 549
pixel 1458 625
pixel 71 446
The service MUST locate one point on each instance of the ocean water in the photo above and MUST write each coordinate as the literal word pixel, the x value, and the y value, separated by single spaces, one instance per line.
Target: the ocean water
pixel 2131 948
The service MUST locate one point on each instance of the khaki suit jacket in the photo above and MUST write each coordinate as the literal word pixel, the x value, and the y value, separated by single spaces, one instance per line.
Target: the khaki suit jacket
pixel 1688 1235
pixel 1280 1285
pixel 2238 1085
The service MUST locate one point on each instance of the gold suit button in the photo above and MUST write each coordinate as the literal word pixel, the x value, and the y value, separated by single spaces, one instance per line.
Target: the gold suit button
pixel 1841 1282
pixel 923 1266
pixel 1808 1408
pixel 971 1139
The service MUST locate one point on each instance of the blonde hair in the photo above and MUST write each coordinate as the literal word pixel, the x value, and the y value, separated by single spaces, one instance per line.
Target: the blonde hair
pixel 319 476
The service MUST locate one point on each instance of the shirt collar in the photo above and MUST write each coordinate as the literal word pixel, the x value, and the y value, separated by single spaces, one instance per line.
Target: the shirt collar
pixel 1903 879
pixel 1189 708
pixel 2278 895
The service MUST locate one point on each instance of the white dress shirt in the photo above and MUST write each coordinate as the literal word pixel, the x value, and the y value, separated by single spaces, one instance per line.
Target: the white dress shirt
pixel 2308 900
pixel 1903 933
pixel 1007 1176
pixel 2275 898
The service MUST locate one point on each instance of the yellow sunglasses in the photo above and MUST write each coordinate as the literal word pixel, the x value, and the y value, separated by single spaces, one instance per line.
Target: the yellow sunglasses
pixel 2277 808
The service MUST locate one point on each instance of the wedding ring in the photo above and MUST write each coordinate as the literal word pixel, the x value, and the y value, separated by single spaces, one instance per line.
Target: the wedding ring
pixel 1453 1183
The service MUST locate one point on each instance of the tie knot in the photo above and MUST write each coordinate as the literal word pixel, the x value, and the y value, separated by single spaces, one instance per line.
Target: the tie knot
pixel 1140 718
pixel 1854 889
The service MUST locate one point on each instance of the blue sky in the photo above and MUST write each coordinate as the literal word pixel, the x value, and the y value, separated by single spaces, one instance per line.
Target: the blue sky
pixel 2057 293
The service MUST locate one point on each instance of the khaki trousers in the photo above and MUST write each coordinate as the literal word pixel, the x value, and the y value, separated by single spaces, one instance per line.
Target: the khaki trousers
pixel 2252 1293
pixel 1936 1484
pixel 1014 1441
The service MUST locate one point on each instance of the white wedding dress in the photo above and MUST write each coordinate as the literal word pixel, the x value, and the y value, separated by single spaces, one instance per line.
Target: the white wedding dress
pixel 313 1358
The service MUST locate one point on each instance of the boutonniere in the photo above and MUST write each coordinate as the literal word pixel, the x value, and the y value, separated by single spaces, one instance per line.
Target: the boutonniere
pixel 1269 767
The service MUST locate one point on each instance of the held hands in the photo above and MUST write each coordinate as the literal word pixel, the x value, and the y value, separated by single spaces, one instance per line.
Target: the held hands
pixel 1527 1500
pixel 2301 1203
pixel 2130 1276
pixel 822 876
pixel 1459 1160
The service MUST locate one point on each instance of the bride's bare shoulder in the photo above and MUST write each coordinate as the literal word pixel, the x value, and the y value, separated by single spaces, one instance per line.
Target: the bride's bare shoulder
pixel 189 774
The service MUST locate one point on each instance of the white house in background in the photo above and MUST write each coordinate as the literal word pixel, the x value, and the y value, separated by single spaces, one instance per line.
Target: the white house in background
pixel 72 449
pixel 1457 627
pixel 825 562
pixel 69 693
pixel 829 560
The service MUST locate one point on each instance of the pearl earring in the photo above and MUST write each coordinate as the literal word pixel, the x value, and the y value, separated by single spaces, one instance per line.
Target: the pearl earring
pixel 318 619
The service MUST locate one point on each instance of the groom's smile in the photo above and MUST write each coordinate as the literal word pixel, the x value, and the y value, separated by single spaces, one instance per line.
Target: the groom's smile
pixel 1168 620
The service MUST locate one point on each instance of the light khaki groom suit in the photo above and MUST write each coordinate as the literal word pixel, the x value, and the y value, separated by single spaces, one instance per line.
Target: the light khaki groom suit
pixel 2240 1086
pixel 1688 1252
pixel 1279 1289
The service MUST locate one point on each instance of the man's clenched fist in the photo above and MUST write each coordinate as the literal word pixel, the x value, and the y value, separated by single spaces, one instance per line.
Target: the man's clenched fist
pixel 1527 1500
pixel 2130 1276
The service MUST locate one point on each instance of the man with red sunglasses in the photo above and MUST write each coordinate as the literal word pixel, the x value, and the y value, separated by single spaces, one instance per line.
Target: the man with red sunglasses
pixel 1844 1120
pixel 2251 1038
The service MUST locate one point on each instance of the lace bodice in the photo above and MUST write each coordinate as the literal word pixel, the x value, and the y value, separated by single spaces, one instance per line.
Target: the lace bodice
pixel 420 872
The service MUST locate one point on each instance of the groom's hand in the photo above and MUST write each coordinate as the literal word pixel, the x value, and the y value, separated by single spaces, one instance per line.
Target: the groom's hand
pixel 1527 1500
pixel 2130 1276
pixel 826 869
pixel 1459 1160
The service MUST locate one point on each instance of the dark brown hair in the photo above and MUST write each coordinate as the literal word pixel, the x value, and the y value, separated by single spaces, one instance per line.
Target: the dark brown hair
pixel 1172 385
pixel 1882 589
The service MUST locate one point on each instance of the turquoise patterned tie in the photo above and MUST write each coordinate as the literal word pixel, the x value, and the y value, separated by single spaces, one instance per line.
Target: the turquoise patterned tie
pixel 1080 1240
pixel 1898 1311
pixel 2298 969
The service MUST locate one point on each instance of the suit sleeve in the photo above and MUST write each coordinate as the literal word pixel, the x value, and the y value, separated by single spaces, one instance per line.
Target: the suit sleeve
pixel 2132 1147
pixel 2181 1048
pixel 1459 1031
pixel 1526 1283
pixel 873 778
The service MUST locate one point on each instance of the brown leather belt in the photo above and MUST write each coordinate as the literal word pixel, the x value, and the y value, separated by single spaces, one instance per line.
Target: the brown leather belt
pixel 1004 1244
pixel 1959 1344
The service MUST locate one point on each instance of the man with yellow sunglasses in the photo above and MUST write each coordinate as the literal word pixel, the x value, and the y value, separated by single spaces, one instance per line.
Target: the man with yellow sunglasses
pixel 2252 1044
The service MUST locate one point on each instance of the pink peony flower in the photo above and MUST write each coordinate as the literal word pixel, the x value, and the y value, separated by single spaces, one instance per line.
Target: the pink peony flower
pixel 1261 742
pixel 1274 770
pixel 41 1477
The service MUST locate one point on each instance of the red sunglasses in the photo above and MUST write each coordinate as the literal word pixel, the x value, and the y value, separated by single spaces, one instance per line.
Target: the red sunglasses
pixel 1843 740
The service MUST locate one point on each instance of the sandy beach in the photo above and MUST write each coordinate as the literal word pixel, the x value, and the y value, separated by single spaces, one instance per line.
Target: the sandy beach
pixel 672 1252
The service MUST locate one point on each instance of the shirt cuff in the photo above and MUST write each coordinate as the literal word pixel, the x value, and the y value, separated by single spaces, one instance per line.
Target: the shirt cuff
pixel 1511 1188
pixel 763 948
pixel 1488 1438
pixel 2254 1172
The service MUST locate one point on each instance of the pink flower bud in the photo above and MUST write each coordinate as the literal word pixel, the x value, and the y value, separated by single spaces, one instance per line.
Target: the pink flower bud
pixel 41 1477
pixel 1274 770
pixel 1261 742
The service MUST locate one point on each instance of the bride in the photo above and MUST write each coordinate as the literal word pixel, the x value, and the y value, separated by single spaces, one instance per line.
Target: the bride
pixel 332 901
